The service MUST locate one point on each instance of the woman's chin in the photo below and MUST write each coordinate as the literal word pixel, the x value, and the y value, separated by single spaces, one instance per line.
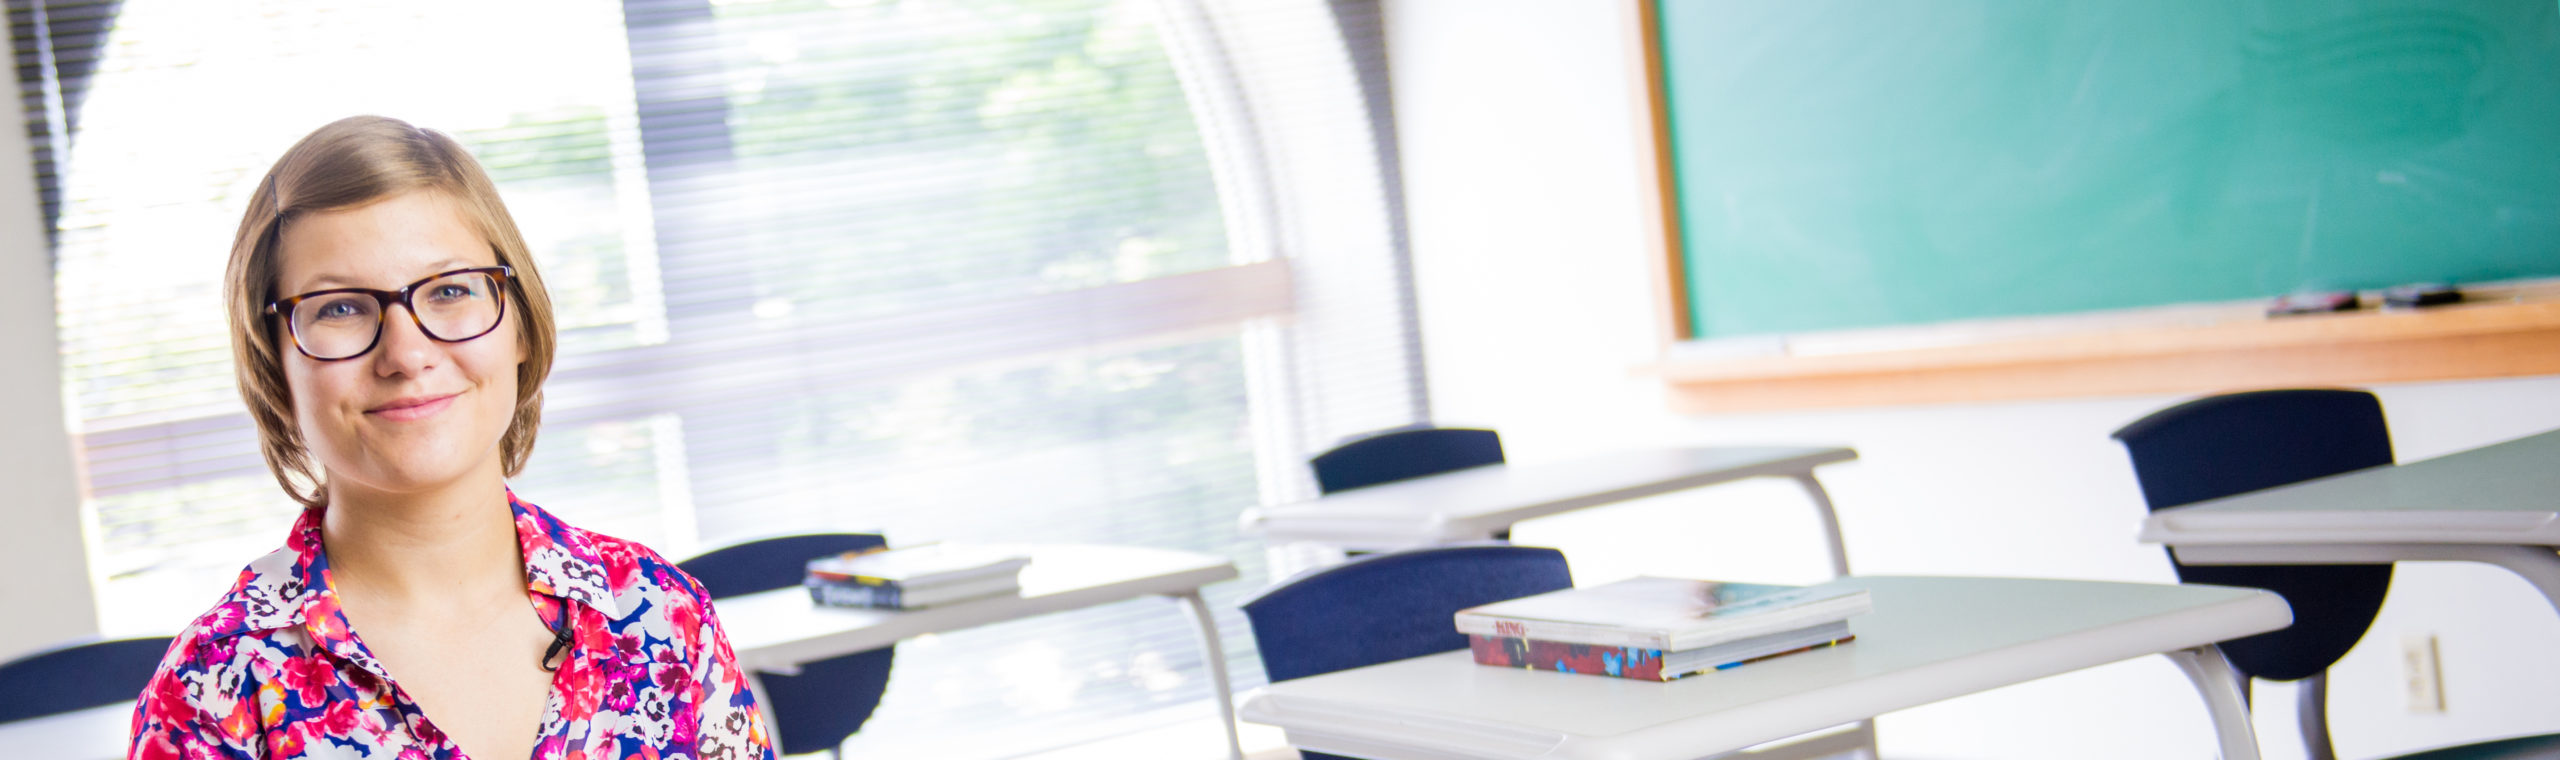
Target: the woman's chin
pixel 399 481
pixel 406 475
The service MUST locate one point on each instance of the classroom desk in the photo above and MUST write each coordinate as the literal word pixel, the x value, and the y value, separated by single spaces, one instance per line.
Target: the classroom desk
pixel 2497 504
pixel 775 631
pixel 1928 639
pixel 1476 503
pixel 97 733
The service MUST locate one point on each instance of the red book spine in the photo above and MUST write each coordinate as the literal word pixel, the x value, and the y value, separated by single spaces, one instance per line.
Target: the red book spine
pixel 1514 652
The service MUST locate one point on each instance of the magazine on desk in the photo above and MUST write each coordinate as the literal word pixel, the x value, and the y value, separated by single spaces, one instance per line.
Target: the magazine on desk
pixel 896 597
pixel 1650 664
pixel 914 577
pixel 919 566
pixel 1666 614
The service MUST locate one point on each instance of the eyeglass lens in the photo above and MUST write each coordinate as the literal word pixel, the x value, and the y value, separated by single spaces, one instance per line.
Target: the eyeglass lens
pixel 455 307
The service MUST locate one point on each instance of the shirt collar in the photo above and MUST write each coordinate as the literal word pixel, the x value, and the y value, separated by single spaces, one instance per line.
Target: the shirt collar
pixel 291 586
pixel 563 561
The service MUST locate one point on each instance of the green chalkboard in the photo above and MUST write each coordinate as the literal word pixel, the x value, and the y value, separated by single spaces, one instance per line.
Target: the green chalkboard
pixel 1847 163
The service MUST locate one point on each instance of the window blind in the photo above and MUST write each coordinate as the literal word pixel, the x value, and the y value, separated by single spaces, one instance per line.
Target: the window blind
pixel 1095 271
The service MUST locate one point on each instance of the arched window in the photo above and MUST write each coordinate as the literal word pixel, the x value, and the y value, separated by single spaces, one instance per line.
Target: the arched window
pixel 1058 270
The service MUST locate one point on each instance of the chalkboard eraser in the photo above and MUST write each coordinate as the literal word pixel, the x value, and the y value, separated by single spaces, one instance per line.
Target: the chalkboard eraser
pixel 2420 295
pixel 2313 303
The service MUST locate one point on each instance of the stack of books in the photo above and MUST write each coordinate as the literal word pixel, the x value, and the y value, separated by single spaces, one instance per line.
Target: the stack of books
pixel 1660 629
pixel 914 577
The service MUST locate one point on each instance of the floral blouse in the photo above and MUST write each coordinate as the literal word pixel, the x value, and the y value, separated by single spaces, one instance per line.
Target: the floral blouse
pixel 274 671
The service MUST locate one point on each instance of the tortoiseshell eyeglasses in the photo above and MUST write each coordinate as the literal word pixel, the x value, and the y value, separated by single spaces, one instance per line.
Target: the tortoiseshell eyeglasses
pixel 345 323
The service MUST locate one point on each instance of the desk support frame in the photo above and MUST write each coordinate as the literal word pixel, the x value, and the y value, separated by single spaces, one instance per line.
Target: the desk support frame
pixel 774 631
pixel 2219 684
pixel 1859 737
pixel 1830 522
pixel 1202 623
pixel 1864 735
pixel 1207 626
pixel 1822 510
pixel 2311 715
pixel 2538 565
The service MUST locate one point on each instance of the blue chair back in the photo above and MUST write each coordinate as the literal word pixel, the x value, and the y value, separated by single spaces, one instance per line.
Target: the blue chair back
pixel 2230 444
pixel 1390 606
pixel 1402 453
pixel 78 677
pixel 824 705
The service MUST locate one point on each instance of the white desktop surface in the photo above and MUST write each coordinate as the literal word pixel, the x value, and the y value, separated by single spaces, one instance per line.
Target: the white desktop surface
pixel 2495 505
pixel 2506 493
pixel 1475 502
pixel 97 733
pixel 775 630
pixel 1928 639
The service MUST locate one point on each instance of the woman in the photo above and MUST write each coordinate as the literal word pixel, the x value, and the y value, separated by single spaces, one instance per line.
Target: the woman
pixel 392 337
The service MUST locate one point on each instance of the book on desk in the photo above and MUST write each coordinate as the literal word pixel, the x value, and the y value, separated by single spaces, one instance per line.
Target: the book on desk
pixel 1660 629
pixel 914 577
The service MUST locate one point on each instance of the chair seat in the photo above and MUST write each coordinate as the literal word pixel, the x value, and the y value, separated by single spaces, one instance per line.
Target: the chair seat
pixel 2519 748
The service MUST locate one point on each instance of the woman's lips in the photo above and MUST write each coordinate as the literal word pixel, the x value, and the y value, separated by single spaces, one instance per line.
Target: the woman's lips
pixel 410 409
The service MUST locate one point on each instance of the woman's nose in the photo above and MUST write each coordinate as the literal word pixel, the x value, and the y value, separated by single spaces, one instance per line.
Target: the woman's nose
pixel 405 349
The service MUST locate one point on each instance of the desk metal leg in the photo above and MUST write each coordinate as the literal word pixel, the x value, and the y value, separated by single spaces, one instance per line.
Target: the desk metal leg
pixel 1217 653
pixel 1867 740
pixel 2311 712
pixel 2220 686
pixel 1830 522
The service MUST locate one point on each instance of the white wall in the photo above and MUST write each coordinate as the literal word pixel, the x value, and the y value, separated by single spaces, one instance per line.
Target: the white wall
pixel 1522 163
pixel 44 567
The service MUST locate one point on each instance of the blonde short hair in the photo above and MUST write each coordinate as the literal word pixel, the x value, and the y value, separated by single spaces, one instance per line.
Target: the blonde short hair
pixel 349 163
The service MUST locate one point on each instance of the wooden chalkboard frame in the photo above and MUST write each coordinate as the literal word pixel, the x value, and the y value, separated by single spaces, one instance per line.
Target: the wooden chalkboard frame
pixel 2507 331
pixel 1662 211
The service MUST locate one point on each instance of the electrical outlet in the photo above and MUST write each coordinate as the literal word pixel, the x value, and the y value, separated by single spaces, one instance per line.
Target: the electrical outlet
pixel 2426 680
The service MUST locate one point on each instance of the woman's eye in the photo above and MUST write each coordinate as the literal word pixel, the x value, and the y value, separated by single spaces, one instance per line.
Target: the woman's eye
pixel 339 310
pixel 450 292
